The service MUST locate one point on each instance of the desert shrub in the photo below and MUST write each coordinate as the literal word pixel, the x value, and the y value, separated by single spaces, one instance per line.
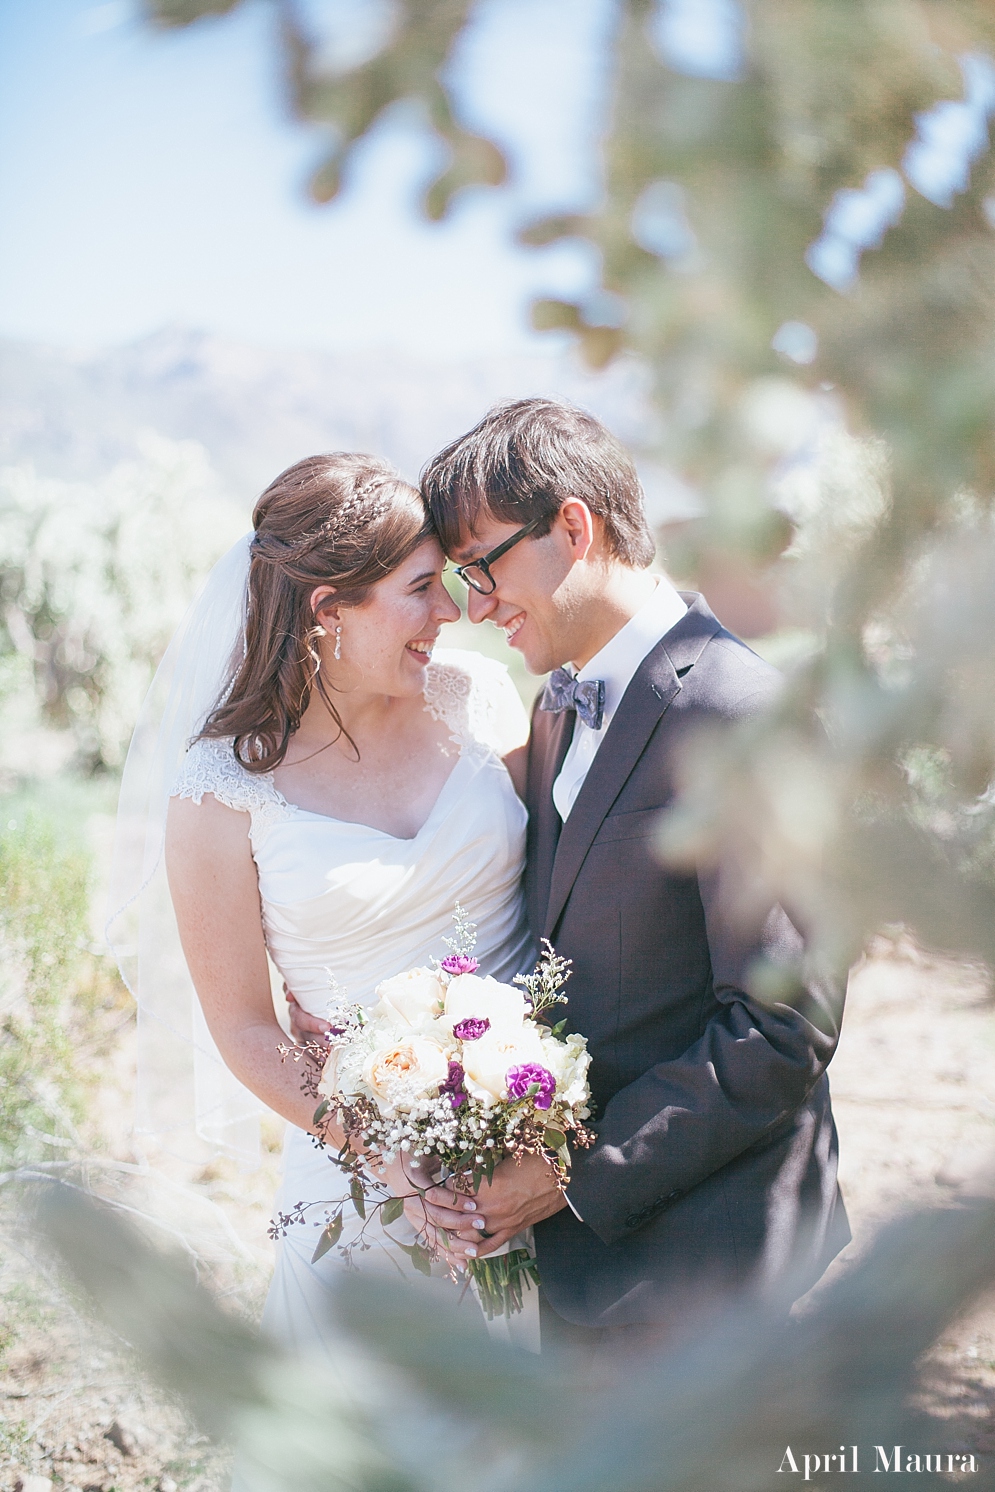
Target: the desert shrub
pixel 95 576
pixel 55 989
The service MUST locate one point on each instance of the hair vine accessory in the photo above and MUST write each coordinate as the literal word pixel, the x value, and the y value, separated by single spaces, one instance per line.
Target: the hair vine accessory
pixel 360 509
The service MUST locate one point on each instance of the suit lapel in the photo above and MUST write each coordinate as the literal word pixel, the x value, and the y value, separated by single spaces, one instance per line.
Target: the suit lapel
pixel 558 731
pixel 652 690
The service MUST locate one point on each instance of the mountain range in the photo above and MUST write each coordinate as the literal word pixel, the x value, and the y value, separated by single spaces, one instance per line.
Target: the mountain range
pixel 255 410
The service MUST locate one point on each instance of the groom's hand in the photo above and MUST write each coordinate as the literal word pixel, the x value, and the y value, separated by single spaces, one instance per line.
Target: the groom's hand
pixel 305 1027
pixel 520 1193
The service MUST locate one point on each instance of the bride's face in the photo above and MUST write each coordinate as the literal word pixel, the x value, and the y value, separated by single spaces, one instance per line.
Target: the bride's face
pixel 387 642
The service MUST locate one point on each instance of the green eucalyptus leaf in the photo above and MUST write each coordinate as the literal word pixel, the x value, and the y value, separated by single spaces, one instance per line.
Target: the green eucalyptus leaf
pixel 329 1237
pixel 419 1256
pixel 391 1210
pixel 358 1196
pixel 421 1259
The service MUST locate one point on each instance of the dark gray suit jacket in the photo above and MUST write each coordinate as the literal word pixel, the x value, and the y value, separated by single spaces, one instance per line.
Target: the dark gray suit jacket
pixel 715 1166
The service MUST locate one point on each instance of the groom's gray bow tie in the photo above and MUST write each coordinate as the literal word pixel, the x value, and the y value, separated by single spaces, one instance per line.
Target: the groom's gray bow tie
pixel 564 692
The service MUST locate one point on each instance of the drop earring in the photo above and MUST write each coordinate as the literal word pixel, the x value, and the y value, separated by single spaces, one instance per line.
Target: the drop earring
pixel 338 642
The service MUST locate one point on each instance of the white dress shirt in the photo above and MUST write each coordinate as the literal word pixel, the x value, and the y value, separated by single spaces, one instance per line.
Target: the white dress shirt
pixel 616 664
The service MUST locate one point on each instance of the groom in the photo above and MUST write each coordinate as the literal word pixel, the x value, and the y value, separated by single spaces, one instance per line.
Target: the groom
pixel 714 1171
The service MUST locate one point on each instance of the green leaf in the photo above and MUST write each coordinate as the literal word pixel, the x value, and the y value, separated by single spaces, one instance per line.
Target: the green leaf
pixel 358 1196
pixel 391 1210
pixel 558 1028
pixel 321 1110
pixel 421 1259
pixel 329 1237
pixel 419 1256
pixel 182 12
pixel 554 1139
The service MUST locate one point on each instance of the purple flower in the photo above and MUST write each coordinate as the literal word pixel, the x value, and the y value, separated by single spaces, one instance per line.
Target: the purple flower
pixel 454 1085
pixel 529 1075
pixel 472 1029
pixel 459 963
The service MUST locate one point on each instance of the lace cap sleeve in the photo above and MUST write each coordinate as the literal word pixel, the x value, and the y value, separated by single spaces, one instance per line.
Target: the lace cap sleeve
pixel 477 699
pixel 210 766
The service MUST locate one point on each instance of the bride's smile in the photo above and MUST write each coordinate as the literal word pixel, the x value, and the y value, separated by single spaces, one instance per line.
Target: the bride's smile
pixel 380 647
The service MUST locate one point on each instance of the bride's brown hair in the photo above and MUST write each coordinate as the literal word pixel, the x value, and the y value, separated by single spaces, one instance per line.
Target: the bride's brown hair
pixel 342 520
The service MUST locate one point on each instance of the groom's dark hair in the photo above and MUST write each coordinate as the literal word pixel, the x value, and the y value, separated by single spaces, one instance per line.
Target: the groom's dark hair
pixel 523 461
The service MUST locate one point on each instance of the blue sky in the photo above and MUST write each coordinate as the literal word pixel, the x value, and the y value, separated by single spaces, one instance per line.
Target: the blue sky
pixel 154 178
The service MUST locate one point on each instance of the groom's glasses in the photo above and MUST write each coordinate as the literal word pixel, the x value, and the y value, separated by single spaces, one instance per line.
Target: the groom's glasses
pixel 477 574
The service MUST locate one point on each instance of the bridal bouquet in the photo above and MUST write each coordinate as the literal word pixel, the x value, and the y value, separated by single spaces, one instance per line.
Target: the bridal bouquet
pixel 458 1072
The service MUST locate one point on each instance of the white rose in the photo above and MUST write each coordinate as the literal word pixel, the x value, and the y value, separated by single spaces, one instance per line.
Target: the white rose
pixel 407 1071
pixel 486 1062
pixel 409 998
pixel 470 997
pixel 568 1061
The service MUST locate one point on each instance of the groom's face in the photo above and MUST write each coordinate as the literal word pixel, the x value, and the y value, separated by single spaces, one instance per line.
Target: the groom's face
pixel 533 602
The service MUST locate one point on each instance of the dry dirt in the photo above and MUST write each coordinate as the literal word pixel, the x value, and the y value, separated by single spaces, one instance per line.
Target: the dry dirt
pixel 914 1094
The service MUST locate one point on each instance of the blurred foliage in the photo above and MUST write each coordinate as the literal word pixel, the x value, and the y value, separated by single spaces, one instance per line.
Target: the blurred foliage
pixel 840 431
pixel 54 989
pixel 93 580
pixel 349 101
pixel 420 1397
pixel 854 467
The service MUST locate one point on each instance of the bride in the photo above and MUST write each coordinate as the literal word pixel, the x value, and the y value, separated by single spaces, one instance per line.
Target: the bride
pixel 342 793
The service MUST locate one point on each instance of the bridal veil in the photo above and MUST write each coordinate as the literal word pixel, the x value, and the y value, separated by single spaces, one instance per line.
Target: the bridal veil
pixel 185 1093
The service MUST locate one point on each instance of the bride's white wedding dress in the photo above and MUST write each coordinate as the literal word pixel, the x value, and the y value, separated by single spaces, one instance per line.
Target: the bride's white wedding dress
pixel 347 902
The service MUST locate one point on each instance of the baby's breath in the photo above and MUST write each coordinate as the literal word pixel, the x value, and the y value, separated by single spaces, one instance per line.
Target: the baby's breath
pixel 547 979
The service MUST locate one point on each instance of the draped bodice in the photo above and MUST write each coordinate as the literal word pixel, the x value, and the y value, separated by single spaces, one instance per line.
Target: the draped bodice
pixel 345 906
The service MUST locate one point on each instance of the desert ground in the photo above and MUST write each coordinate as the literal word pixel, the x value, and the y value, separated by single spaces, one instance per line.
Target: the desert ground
pixel 914 1095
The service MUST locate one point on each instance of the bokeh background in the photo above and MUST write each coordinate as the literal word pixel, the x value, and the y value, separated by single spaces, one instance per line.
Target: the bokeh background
pixel 757 240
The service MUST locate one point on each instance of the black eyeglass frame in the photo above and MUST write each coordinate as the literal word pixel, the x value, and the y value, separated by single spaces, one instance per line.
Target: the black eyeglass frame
pixel 484 563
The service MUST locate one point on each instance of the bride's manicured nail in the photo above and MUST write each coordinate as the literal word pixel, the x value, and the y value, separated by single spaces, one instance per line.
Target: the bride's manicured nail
pixel 479 1222
pixel 470 1251
pixel 469 1206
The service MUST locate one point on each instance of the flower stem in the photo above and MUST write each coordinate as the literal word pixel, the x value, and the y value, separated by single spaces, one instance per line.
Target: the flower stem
pixel 502 1280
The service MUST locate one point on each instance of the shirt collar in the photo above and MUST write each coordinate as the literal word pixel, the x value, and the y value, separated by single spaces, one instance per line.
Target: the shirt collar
pixel 618 660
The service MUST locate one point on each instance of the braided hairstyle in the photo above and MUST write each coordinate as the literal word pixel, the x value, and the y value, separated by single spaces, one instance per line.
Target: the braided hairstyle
pixel 342 520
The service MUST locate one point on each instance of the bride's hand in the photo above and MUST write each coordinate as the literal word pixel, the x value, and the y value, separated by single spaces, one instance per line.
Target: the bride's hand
pixel 439 1225
pixel 454 1220
pixel 520 1193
